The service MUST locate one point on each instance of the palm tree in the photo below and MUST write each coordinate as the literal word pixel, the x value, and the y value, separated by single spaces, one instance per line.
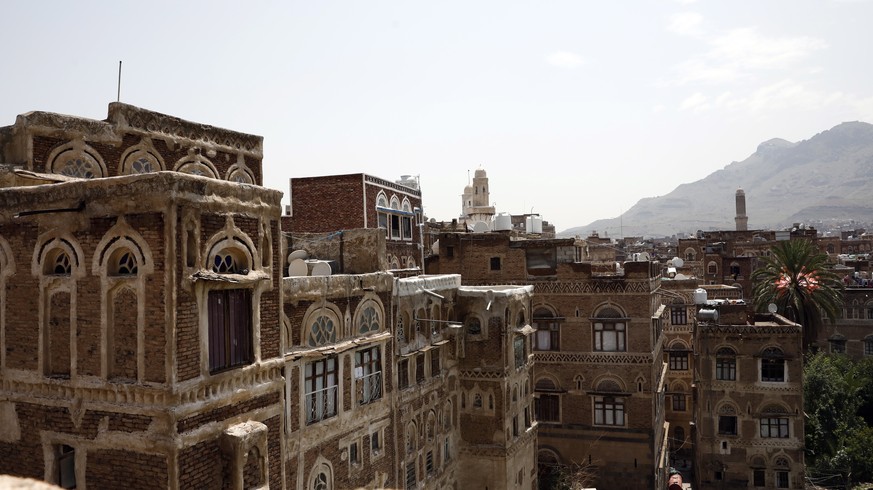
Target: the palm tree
pixel 797 279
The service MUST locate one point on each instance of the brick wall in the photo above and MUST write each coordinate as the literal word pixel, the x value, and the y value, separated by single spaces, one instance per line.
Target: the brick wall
pixel 124 327
pixel 112 153
pixel 226 412
pixel 112 468
pixel 200 466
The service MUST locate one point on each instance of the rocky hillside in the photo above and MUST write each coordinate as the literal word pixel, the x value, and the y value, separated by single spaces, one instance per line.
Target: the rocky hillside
pixel 827 176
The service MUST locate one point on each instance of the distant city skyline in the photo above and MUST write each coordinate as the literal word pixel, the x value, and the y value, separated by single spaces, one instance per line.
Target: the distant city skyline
pixel 576 110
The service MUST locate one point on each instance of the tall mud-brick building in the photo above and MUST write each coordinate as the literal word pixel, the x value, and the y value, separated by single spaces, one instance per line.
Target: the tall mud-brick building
pixel 139 304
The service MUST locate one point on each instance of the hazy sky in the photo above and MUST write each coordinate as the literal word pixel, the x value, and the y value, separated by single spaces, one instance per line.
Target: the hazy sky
pixel 576 109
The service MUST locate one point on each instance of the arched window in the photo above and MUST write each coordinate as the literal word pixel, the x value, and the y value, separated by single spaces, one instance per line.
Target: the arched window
pixel 229 261
pixel 143 165
pixel 431 426
pixel 726 364
pixel 447 416
pixel 548 336
pixel 322 477
pixel 547 401
pixel 774 422
pixel 122 263
pixel 868 345
pixel 782 473
pixel 58 263
pixel 410 438
pixel 473 325
pixel 76 159
pixel 240 176
pixel 369 318
pixel 610 331
pixel 773 365
pixel 477 400
pixel 712 268
pixel 381 211
pixel 196 165
pixel 609 408
pixel 678 356
pixel 690 254
pixel 678 312
pixel 322 330
pixel 837 343
pixel 727 420
pixel 735 269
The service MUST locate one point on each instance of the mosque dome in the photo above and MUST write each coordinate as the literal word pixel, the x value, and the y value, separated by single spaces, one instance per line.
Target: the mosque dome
pixel 480 173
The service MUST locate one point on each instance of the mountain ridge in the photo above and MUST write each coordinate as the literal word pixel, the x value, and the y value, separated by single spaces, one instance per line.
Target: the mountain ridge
pixel 826 176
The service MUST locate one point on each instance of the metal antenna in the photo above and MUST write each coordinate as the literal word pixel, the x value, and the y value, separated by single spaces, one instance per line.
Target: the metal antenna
pixel 119 81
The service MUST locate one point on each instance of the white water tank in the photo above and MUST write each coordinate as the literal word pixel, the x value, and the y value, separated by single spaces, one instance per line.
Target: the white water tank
pixel 533 224
pixel 537 223
pixel 699 296
pixel 503 222
pixel 708 314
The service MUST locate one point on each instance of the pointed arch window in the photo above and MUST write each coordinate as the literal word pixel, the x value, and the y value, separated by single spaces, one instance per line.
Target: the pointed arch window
pixel 321 478
pixel 322 331
pixel 782 473
pixel 123 263
pixel 229 262
pixel 58 263
pixel 369 320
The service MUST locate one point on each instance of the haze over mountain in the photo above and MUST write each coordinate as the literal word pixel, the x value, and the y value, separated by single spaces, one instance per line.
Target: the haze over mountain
pixel 827 176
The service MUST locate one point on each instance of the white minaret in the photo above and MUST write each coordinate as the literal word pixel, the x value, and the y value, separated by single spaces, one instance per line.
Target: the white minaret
pixel 741 219
pixel 476 199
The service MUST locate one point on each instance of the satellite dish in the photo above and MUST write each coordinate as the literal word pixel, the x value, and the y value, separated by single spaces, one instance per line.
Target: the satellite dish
pixel 772 308
pixel 677 262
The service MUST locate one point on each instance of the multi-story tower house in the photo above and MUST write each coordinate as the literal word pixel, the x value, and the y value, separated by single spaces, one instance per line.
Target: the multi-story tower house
pixel 139 326
pixel 598 351
pixel 749 411
pixel 498 438
pixel 678 296
pixel 343 202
